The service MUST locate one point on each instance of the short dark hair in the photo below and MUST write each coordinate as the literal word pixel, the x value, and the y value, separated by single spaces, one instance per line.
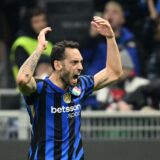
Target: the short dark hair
pixel 36 12
pixel 115 2
pixel 58 51
pixel 27 17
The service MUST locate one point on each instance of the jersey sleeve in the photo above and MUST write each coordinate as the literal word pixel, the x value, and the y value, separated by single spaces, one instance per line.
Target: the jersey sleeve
pixel 31 99
pixel 87 84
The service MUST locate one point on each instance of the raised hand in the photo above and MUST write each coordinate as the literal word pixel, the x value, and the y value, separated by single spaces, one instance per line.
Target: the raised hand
pixel 103 27
pixel 42 42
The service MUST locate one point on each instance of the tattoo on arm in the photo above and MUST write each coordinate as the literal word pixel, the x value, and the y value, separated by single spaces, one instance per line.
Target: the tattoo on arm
pixel 28 68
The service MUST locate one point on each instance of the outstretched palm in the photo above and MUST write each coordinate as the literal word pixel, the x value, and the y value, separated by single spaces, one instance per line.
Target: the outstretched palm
pixel 103 27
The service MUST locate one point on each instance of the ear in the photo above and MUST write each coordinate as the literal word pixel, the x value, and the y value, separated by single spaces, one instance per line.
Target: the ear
pixel 57 65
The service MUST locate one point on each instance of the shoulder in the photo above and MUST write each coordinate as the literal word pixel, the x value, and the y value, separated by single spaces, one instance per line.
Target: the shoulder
pixel 85 77
pixel 41 83
pixel 22 39
pixel 86 80
pixel 41 86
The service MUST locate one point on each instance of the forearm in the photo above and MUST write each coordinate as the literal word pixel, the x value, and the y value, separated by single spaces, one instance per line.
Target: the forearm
pixel 27 69
pixel 113 69
pixel 113 57
pixel 152 9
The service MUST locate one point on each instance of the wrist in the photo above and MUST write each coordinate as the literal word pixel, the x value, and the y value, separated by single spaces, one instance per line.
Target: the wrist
pixel 39 49
pixel 110 37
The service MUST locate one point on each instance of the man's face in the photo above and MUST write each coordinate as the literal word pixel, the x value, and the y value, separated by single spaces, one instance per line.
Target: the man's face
pixel 114 14
pixel 71 66
pixel 39 22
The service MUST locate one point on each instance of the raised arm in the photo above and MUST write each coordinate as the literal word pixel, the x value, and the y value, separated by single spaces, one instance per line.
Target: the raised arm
pixel 152 9
pixel 25 79
pixel 113 69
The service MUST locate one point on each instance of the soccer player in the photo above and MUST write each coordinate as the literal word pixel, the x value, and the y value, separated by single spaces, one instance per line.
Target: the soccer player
pixel 54 103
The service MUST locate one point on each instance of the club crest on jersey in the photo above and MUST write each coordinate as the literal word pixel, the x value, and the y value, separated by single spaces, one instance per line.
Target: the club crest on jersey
pixel 67 97
pixel 76 91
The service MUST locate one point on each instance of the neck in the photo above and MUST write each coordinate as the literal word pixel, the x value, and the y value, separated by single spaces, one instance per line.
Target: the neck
pixel 58 81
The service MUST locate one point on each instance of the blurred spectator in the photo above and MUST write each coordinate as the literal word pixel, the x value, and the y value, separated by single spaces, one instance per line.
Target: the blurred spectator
pixel 145 96
pixel 153 65
pixel 135 11
pixel 95 46
pixel 94 54
pixel 92 61
pixel 150 40
pixel 12 10
pixel 94 51
pixel 115 14
pixel 132 92
pixel 25 44
pixel 116 92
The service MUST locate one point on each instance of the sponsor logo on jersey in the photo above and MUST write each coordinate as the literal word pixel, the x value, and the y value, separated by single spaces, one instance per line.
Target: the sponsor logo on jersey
pixel 64 109
pixel 73 111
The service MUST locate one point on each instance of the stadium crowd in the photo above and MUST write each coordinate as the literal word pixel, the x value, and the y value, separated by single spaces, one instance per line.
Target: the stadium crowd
pixel 136 24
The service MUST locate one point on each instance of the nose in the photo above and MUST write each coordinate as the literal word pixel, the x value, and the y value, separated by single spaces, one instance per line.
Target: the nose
pixel 80 67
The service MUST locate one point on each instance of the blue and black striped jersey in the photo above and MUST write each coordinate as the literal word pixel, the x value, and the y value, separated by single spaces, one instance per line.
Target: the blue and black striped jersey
pixel 55 115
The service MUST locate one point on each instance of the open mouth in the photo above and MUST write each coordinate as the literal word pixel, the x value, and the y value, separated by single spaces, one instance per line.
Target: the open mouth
pixel 75 76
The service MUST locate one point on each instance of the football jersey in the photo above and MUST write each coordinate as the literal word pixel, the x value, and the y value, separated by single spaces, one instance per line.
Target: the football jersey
pixel 55 115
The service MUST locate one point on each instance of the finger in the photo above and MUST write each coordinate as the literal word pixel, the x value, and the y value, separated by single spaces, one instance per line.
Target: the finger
pixel 94 24
pixel 45 30
pixel 48 29
pixel 99 21
pixel 102 22
pixel 98 18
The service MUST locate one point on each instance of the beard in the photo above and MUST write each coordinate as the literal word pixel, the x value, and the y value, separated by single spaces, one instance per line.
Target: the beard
pixel 65 81
pixel 65 77
pixel 68 79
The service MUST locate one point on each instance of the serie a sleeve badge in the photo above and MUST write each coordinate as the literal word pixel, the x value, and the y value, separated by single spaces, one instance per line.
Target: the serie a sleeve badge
pixel 76 91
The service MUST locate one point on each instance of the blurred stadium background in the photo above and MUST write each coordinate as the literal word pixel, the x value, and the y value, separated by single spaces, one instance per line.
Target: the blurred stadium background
pixel 108 132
